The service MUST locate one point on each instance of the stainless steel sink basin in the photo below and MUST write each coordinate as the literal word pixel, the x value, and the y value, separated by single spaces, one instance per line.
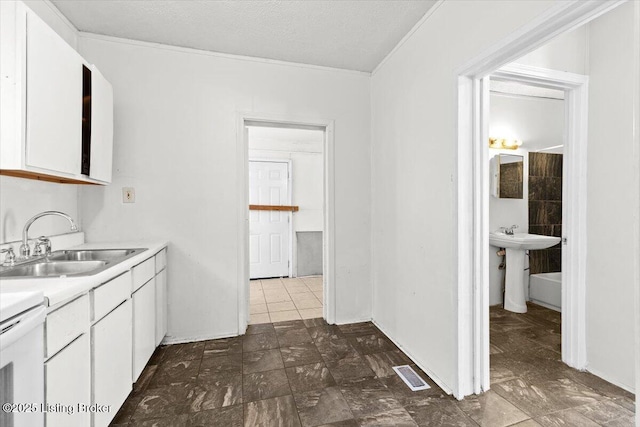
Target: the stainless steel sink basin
pixel 91 255
pixel 53 268
pixel 70 263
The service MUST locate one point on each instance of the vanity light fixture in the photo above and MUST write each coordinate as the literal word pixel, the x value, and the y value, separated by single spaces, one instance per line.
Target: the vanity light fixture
pixel 504 143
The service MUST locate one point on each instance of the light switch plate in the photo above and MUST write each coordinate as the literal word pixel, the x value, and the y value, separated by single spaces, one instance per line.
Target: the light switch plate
pixel 128 195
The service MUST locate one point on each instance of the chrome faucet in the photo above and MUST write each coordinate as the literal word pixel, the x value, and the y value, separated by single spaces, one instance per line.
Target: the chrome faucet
pixel 25 250
pixel 10 259
pixel 37 248
pixel 509 230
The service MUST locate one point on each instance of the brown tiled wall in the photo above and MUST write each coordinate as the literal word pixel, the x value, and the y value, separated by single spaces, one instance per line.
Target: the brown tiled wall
pixel 545 209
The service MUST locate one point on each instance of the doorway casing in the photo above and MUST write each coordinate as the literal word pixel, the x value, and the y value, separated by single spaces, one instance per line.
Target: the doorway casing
pixel 473 188
pixel 328 235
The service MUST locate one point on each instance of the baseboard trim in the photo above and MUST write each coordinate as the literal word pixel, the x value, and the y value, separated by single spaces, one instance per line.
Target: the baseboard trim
pixel 626 387
pixel 181 340
pixel 347 322
pixel 420 365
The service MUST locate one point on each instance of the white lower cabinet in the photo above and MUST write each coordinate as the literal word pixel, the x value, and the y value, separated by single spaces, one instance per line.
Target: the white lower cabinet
pixel 161 306
pixel 144 326
pixel 111 353
pixel 68 380
pixel 98 344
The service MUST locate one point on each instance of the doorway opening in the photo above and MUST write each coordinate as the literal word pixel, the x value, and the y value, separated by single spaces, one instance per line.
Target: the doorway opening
pixel 286 204
pixel 573 211
pixel 285 223
pixel 557 208
pixel 473 189
pixel 525 202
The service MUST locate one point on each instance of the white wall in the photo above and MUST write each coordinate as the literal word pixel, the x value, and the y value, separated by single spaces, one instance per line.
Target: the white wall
pixel 567 52
pixel 538 122
pixel 612 204
pixel 304 148
pixel 175 142
pixel 21 198
pixel 413 171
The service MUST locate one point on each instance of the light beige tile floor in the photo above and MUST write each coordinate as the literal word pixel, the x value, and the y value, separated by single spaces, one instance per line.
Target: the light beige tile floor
pixel 278 300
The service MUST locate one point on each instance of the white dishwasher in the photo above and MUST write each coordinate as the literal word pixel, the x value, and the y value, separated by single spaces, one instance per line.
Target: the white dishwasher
pixel 22 316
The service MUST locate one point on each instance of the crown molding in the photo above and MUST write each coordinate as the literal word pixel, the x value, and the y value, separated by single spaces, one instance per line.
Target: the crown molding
pixel 192 51
pixel 60 15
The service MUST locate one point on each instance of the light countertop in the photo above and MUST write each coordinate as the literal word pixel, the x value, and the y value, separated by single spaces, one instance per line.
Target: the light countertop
pixel 13 303
pixel 58 290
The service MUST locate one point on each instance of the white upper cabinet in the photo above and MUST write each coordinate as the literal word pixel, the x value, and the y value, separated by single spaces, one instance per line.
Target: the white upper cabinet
pixel 101 127
pixel 56 109
pixel 54 94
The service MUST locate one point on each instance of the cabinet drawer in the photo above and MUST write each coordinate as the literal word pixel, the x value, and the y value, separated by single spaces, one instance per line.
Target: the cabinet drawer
pixel 109 295
pixel 143 272
pixel 161 260
pixel 66 324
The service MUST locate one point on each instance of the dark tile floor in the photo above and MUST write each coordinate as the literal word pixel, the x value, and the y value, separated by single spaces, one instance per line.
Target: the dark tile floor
pixel 531 386
pixel 308 373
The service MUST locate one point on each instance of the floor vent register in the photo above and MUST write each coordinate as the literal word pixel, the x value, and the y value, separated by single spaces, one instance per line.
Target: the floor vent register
pixel 411 378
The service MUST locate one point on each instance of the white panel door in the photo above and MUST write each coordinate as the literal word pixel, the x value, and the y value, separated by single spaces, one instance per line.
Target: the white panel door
pixel 268 230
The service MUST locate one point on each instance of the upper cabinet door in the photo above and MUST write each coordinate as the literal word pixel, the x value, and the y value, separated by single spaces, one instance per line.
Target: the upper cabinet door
pixel 54 100
pixel 101 127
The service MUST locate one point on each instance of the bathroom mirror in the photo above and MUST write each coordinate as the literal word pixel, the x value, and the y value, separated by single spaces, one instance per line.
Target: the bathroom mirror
pixel 511 173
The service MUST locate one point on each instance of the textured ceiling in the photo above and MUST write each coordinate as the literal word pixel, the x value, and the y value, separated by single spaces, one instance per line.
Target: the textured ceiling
pixel 349 34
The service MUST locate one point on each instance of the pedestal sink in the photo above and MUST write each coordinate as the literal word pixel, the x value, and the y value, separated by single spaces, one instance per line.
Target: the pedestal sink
pixel 516 244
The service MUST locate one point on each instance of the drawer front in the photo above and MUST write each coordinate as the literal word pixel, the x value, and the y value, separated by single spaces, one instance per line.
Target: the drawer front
pixel 143 272
pixel 109 295
pixel 161 260
pixel 66 324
